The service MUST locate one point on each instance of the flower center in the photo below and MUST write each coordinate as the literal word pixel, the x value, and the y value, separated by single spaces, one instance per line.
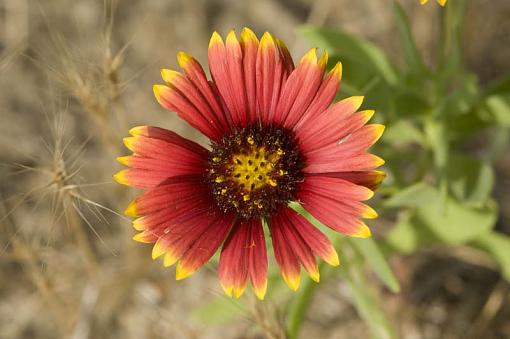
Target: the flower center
pixel 255 170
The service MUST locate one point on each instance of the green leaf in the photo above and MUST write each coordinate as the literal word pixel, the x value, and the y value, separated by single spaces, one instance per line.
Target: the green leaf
pixel 403 132
pixel 408 234
pixel 411 53
pixel 449 220
pixel 365 299
pixel 471 180
pixel 353 50
pixel 498 246
pixel 375 258
pixel 499 107
pixel 416 195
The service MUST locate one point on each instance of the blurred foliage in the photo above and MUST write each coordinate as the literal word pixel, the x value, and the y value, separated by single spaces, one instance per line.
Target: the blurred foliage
pixel 439 160
pixel 439 186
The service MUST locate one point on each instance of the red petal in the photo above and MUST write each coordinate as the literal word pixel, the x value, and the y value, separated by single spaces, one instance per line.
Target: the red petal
pixel 197 76
pixel 314 238
pixel 288 262
pixel 356 143
pixel 361 162
pixel 202 249
pixel 323 99
pixel 296 243
pixel 250 46
pixel 233 268
pixel 171 193
pixel 369 179
pixel 174 100
pixel 335 203
pixel 225 63
pixel 332 125
pixel 257 261
pixel 273 66
pixel 300 88
pixel 159 154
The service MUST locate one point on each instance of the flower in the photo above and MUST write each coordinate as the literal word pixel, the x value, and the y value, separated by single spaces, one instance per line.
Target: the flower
pixel 441 2
pixel 275 138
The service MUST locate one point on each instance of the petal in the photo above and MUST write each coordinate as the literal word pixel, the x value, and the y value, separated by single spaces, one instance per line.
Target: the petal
pixel 187 89
pixel 180 236
pixel 287 261
pixel 174 100
pixel 333 124
pixel 369 179
pixel 195 73
pixel 226 65
pixel 272 69
pixel 233 268
pixel 298 247
pixel 336 203
pixel 203 247
pixel 159 154
pixel 300 88
pixel 361 162
pixel 257 261
pixel 323 99
pixel 348 154
pixel 314 238
pixel 356 143
pixel 250 46
pixel 244 255
pixel 171 193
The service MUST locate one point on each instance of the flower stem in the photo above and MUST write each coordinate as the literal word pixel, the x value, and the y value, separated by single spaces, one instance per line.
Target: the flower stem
pixel 298 308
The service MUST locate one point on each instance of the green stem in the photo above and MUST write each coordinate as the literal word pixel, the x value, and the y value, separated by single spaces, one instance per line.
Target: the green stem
pixel 301 304
pixel 299 307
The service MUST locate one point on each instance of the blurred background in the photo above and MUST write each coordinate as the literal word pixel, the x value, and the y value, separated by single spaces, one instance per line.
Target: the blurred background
pixel 76 75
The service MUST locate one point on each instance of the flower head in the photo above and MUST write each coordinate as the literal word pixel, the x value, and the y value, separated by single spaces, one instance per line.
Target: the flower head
pixel 275 138
pixel 441 2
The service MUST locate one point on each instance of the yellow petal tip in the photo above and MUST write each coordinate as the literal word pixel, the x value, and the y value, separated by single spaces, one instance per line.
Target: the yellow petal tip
pixel 124 160
pixel 362 232
pixel 140 237
pixel 247 35
pixel 292 282
pixel 121 177
pixel 169 75
pixel 138 130
pixel 260 291
pixel 184 59
pixel 169 259
pixel 131 209
pixel 215 39
pixel 157 250
pixel 181 272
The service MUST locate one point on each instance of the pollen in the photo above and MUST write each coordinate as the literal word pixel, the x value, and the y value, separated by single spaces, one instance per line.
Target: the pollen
pixel 255 170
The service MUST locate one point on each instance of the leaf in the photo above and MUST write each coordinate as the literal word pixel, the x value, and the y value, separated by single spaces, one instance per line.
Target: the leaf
pixel 499 107
pixel 365 300
pixel 411 53
pixel 471 180
pixel 401 133
pixel 354 50
pixel 498 246
pixel 375 258
pixel 408 234
pixel 452 221
pixel 415 195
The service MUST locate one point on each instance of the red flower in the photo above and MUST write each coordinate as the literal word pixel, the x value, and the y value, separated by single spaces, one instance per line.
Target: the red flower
pixel 275 138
